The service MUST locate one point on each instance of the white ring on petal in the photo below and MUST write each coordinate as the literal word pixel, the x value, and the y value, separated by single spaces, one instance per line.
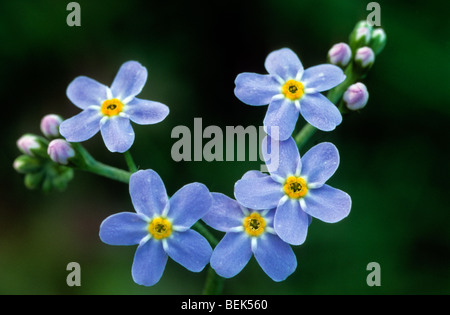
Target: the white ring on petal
pixel 254 243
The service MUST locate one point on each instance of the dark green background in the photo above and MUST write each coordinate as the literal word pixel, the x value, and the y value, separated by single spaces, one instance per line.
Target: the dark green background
pixel 394 153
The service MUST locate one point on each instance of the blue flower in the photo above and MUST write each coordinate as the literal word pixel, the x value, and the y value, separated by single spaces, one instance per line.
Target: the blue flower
pixel 296 188
pixel 290 90
pixel 248 233
pixel 160 227
pixel 109 110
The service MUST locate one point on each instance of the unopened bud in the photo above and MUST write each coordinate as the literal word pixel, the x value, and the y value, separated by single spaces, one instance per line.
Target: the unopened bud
pixel 32 145
pixel 60 151
pixel 50 125
pixel 27 164
pixel 356 96
pixel 340 54
pixel 364 57
pixel 360 36
pixel 378 40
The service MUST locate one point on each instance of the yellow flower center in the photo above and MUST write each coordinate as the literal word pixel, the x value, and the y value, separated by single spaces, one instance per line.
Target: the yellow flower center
pixel 295 187
pixel 293 90
pixel 254 224
pixel 112 107
pixel 160 228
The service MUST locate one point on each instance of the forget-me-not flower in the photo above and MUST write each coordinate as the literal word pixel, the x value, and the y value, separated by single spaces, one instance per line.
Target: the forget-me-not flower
pixel 248 233
pixel 161 227
pixel 290 90
pixel 296 188
pixel 110 109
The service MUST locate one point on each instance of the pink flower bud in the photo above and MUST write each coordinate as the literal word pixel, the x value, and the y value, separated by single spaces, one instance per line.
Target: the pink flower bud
pixel 60 151
pixel 365 57
pixel 340 54
pixel 356 96
pixel 50 125
pixel 27 143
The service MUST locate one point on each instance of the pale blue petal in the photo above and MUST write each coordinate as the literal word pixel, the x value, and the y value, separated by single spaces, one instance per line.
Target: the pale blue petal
pixel 117 134
pixel 327 204
pixel 275 257
pixel 322 77
pixel 149 263
pixel 256 89
pixel 283 156
pixel 253 174
pixel 291 223
pixel 189 204
pixel 225 213
pixel 129 81
pixel 284 63
pixel 281 114
pixel 148 193
pixel 82 126
pixel 320 112
pixel 124 228
pixel 84 92
pixel 144 112
pixel 258 193
pixel 320 163
pixel 189 249
pixel 231 255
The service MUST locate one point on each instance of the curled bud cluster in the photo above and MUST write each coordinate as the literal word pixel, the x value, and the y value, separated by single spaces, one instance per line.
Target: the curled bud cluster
pixel 43 163
pixel 356 58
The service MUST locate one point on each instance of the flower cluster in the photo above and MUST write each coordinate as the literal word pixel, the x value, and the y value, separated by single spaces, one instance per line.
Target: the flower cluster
pixel 269 213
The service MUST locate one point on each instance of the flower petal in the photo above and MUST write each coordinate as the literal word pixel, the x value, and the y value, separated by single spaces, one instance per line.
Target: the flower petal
pixel 129 81
pixel 258 193
pixel 146 112
pixel 253 174
pixel 327 204
pixel 189 249
pixel 124 228
pixel 284 156
pixel 231 255
pixel 256 89
pixel 284 63
pixel 149 263
pixel 82 126
pixel 225 213
pixel 148 193
pixel 282 114
pixel 322 77
pixel 320 112
pixel 275 257
pixel 291 223
pixel 84 92
pixel 320 163
pixel 117 134
pixel 189 204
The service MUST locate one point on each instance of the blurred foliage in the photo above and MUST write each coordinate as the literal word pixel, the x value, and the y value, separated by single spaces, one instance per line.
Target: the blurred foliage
pixel 394 158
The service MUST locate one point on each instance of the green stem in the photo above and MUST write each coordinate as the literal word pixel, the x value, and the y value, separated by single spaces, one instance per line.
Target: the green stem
pixel 201 228
pixel 213 284
pixel 304 134
pixel 108 171
pixel 86 162
pixel 130 162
